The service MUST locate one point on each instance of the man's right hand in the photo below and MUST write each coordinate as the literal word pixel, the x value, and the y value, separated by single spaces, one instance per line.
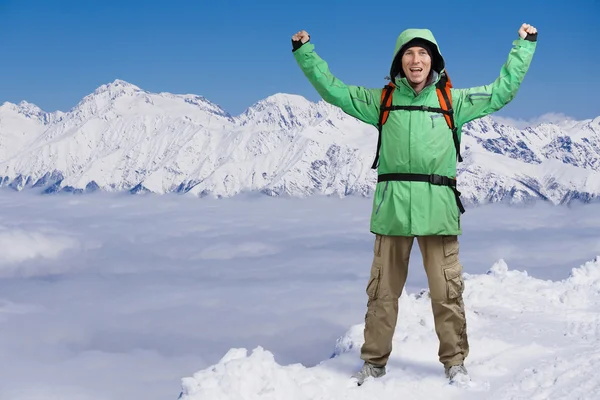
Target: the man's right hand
pixel 528 32
pixel 299 39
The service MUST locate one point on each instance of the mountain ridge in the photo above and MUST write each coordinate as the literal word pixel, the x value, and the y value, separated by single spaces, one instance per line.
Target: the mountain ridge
pixel 123 138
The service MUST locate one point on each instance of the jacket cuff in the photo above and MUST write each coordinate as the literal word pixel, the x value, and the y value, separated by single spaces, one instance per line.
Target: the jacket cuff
pixel 524 43
pixel 305 48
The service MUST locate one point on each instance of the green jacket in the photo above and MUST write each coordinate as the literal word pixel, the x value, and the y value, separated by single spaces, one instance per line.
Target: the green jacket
pixel 417 141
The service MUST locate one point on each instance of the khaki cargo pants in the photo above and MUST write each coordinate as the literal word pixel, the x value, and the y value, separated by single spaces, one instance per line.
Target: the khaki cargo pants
pixel 388 276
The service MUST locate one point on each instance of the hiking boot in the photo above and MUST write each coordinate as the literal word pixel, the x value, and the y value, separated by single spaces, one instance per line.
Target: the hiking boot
pixel 457 373
pixel 368 370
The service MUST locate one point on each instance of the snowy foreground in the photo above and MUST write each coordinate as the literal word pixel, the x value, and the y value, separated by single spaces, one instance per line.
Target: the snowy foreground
pixel 120 297
pixel 530 339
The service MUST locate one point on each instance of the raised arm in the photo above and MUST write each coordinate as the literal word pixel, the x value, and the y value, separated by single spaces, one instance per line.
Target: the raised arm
pixel 356 101
pixel 480 101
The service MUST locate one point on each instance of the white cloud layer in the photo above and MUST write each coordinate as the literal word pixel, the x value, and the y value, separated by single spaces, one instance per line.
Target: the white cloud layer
pixel 118 297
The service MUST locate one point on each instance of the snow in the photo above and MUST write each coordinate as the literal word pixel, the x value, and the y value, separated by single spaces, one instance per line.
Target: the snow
pixel 111 296
pixel 19 127
pixel 553 354
pixel 122 137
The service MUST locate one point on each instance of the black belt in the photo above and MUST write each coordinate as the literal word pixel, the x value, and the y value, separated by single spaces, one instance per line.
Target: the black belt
pixel 432 179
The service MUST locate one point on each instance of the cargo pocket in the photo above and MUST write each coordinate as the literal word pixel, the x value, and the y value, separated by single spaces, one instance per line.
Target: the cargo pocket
pixel 450 246
pixel 374 280
pixel 435 117
pixel 454 281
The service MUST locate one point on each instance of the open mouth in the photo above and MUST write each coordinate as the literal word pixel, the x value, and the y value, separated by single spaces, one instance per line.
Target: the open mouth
pixel 416 70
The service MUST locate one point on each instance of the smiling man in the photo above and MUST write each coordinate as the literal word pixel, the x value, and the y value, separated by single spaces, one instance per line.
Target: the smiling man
pixel 419 117
pixel 416 59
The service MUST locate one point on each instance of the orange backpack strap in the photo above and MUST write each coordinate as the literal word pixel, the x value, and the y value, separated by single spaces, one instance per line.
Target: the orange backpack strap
pixel 445 98
pixel 386 103
pixel 384 112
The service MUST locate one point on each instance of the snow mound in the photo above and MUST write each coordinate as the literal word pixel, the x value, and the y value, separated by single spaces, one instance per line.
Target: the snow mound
pixel 529 338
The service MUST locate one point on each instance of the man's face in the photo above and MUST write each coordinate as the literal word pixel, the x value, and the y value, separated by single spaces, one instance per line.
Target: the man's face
pixel 416 64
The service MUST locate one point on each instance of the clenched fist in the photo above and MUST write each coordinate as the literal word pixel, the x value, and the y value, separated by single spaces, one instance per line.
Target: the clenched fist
pixel 301 36
pixel 299 39
pixel 527 29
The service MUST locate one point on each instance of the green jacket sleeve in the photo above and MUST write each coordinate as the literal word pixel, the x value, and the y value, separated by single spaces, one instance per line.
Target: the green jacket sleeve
pixel 356 101
pixel 480 101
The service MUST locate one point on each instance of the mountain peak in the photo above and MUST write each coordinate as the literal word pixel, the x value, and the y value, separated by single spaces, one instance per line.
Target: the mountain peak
pixel 105 96
pixel 29 110
pixel 281 100
pixel 280 111
pixel 117 85
pixel 286 98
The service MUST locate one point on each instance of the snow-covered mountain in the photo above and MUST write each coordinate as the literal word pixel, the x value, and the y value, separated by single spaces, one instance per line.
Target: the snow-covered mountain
pixel 123 138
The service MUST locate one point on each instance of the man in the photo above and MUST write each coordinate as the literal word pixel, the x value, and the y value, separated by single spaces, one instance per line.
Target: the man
pixel 415 196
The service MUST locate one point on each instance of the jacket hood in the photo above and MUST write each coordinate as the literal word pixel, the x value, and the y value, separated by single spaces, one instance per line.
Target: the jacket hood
pixel 437 61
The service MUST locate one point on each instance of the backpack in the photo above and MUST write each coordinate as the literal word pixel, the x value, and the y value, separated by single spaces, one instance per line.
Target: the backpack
pixel 444 95
pixel 442 89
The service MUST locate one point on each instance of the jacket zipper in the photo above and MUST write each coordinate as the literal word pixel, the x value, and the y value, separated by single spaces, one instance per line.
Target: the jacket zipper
pixel 479 95
pixel 382 197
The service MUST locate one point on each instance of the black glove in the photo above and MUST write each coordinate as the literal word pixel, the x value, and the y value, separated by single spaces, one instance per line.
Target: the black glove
pixel 531 37
pixel 296 44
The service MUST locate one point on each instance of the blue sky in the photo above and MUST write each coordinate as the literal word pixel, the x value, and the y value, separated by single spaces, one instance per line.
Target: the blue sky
pixel 238 52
